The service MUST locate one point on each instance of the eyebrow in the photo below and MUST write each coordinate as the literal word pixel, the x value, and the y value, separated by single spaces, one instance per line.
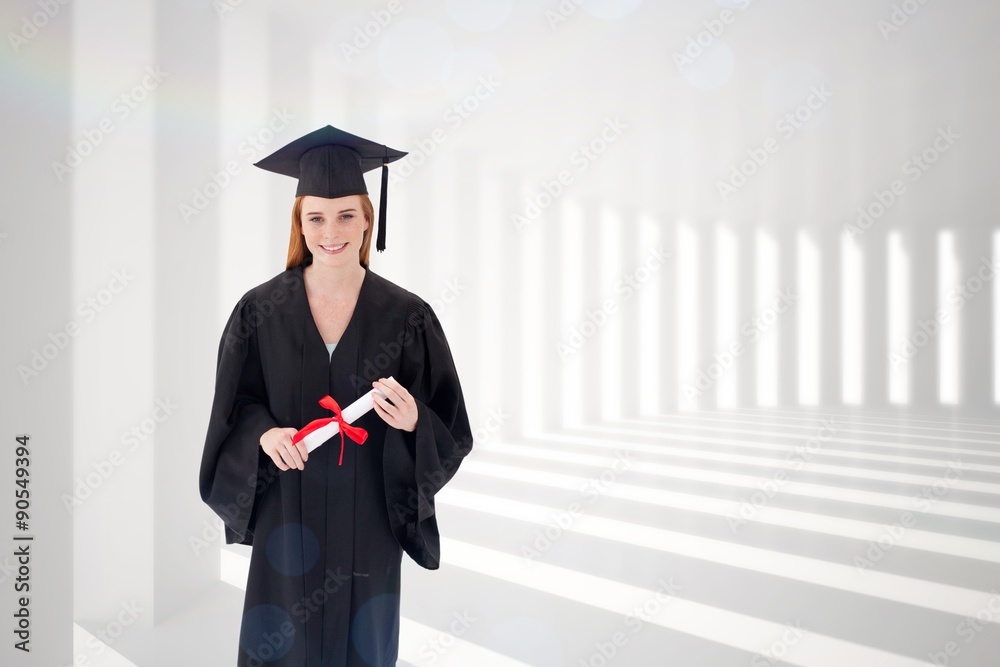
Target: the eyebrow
pixel 338 212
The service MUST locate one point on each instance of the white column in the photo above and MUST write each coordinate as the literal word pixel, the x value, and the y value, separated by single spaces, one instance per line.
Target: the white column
pixel 114 197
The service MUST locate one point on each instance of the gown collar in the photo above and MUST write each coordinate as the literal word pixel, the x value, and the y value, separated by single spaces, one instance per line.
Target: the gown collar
pixel 324 373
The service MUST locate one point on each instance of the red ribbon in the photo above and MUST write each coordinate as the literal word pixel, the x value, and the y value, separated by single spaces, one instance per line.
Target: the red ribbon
pixel 355 433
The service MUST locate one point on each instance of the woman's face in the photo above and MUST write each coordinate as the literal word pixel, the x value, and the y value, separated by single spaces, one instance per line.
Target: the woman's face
pixel 328 224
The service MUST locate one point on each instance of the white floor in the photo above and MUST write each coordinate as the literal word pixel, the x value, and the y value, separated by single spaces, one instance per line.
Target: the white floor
pixel 747 537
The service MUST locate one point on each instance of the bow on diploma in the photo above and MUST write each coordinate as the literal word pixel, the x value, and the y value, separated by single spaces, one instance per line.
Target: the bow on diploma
pixel 355 433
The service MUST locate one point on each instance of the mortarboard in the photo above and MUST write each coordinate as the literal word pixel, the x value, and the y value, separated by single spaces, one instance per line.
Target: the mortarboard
pixel 331 163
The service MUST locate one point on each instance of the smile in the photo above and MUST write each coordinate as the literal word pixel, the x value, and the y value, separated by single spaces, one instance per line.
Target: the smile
pixel 333 249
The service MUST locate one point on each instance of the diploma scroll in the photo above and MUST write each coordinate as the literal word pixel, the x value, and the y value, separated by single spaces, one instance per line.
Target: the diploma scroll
pixel 350 414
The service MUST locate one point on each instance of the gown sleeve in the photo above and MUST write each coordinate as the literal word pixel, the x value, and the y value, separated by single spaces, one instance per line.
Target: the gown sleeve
pixel 235 471
pixel 419 463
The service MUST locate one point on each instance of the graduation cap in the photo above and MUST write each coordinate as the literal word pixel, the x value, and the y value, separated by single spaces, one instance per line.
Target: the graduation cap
pixel 331 163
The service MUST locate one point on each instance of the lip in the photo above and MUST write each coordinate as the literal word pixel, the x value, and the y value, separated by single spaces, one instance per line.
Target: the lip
pixel 335 252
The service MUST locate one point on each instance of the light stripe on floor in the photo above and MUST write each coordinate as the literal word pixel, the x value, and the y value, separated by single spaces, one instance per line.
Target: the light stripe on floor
pixel 900 502
pixel 893 419
pixel 952 545
pixel 854 425
pixel 826 449
pixel 763 462
pixel 722 626
pixel 235 568
pixel 671 427
pixel 418 642
pixel 882 585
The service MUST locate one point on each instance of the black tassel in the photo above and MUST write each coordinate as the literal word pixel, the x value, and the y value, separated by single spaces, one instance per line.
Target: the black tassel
pixel 380 242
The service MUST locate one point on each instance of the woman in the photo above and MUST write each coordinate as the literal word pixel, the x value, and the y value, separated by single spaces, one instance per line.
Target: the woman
pixel 328 527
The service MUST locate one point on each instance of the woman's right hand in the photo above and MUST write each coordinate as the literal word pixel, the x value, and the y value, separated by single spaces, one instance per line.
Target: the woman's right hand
pixel 277 443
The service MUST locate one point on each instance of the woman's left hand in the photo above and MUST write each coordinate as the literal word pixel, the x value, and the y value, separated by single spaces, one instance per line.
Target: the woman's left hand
pixel 397 409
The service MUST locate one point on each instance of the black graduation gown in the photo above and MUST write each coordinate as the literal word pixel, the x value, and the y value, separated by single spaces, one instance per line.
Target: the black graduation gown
pixel 323 588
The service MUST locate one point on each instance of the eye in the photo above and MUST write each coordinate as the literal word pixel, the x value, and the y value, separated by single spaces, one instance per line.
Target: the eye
pixel 347 216
pixel 316 218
